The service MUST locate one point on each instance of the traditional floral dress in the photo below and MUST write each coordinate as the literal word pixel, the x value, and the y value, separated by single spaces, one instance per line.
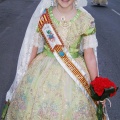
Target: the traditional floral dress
pixel 47 92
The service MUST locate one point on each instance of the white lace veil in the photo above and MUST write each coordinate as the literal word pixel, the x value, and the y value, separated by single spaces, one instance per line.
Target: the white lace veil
pixel 27 45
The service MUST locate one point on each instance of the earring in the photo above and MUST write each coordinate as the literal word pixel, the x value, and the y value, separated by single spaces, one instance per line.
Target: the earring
pixel 76 3
pixel 52 3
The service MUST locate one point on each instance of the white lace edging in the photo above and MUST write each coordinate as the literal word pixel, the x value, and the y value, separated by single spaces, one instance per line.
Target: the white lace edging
pixel 38 41
pixel 89 42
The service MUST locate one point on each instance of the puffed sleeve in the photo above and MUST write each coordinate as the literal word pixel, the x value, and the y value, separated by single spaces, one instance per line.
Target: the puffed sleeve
pixel 89 38
pixel 38 41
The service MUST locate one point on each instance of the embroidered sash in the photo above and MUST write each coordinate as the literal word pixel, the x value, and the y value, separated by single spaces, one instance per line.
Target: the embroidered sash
pixel 56 46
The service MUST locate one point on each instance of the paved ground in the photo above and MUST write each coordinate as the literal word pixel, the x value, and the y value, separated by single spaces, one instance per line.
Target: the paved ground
pixel 14 18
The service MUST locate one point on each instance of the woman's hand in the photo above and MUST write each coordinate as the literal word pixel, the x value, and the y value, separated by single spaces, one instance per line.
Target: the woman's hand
pixel 103 102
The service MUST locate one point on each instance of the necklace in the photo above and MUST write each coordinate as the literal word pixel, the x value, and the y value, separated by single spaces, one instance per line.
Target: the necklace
pixel 63 17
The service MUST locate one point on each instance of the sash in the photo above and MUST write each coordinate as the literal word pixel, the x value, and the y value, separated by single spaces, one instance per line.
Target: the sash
pixel 62 55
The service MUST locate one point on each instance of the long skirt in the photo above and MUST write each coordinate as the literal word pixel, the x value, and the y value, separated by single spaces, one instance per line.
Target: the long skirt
pixel 47 92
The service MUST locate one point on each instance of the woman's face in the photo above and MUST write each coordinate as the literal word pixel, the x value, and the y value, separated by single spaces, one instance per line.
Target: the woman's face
pixel 65 3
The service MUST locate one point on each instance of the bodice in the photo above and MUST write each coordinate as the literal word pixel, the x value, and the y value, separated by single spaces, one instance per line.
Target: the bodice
pixel 72 32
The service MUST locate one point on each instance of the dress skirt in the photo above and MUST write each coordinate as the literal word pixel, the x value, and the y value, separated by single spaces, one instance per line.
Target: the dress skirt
pixel 47 92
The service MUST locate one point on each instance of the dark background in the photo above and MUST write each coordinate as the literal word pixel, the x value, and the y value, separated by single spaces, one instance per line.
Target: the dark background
pixel 14 18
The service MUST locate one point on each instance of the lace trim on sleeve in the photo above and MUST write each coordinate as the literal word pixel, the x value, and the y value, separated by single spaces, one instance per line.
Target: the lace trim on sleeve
pixel 89 42
pixel 38 41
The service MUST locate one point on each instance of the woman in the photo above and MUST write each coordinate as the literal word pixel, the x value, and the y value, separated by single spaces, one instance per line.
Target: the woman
pixel 48 87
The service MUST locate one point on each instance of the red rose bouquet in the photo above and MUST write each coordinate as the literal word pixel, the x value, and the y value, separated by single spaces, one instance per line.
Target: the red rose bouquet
pixel 102 88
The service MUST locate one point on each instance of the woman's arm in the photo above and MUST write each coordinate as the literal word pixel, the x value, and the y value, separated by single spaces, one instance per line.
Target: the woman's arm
pixel 91 63
pixel 33 54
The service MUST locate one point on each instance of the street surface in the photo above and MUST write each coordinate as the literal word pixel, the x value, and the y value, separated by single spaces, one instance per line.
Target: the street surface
pixel 14 18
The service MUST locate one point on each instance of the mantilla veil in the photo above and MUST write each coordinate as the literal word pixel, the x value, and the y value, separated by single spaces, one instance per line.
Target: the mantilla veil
pixel 27 44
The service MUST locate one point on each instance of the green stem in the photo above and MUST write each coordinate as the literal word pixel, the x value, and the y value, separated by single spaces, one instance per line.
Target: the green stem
pixel 5 109
pixel 99 111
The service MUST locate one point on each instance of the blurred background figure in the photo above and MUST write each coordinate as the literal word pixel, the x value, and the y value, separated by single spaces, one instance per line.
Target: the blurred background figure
pixel 100 2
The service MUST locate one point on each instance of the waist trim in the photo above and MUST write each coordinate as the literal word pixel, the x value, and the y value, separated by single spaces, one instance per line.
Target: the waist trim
pixel 50 54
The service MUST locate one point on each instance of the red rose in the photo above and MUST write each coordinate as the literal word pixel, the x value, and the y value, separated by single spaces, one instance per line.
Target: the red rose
pixel 99 84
